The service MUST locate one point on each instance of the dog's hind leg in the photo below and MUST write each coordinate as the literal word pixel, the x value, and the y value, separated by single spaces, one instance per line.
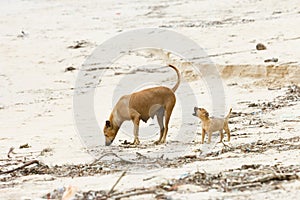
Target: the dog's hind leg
pixel 168 112
pixel 160 118
pixel 221 135
pixel 226 128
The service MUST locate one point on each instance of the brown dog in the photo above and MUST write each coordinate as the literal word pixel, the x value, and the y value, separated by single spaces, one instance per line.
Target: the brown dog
pixel 142 105
pixel 212 124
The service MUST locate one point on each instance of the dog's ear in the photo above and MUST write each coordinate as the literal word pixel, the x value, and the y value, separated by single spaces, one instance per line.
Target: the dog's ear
pixel 107 123
pixel 206 114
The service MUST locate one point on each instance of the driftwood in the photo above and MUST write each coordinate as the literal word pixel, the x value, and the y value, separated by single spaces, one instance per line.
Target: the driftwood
pixel 275 177
pixel 21 167
pixel 291 120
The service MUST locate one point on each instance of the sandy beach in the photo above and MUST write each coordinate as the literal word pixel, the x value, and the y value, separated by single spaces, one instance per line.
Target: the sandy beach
pixel 47 50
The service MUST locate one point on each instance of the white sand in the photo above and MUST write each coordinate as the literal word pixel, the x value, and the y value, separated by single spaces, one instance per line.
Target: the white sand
pixel 36 99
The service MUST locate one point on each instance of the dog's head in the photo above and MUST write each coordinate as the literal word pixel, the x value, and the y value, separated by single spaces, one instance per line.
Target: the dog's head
pixel 110 132
pixel 201 113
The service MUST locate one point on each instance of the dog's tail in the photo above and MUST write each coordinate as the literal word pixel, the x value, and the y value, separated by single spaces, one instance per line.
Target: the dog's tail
pixel 178 78
pixel 228 115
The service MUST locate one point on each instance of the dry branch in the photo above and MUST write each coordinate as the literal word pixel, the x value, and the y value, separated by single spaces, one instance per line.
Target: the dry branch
pixel 21 167
pixel 113 187
pixel 11 150
pixel 244 186
pixel 277 177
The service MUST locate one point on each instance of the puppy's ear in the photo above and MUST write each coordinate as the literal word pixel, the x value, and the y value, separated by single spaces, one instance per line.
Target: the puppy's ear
pixel 107 123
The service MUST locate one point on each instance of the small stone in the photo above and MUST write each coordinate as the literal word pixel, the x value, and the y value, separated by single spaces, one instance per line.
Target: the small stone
pixel 24 146
pixel 271 60
pixel 261 46
pixel 259 142
pixel 69 69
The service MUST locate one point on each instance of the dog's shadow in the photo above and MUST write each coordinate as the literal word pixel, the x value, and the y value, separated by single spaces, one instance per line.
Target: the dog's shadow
pixel 128 145
pixel 125 144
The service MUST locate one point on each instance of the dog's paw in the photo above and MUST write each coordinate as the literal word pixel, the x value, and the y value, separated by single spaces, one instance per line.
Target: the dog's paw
pixel 135 142
pixel 157 142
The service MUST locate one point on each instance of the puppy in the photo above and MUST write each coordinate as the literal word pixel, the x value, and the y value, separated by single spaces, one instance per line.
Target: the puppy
pixel 212 124
pixel 156 101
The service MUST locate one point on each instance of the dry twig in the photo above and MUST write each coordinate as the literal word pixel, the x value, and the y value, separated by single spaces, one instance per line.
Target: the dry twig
pixel 113 187
pixel 244 186
pixel 226 145
pixel 11 150
pixel 21 167
pixel 271 177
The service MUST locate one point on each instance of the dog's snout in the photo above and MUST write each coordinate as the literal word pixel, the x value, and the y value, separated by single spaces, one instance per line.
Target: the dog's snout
pixel 195 111
pixel 108 143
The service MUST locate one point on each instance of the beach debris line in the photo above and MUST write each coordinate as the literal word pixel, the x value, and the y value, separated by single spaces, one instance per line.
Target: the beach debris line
pixel 104 167
pixel 292 94
pixel 245 178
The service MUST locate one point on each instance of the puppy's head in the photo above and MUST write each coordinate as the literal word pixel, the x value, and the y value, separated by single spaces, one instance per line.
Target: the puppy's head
pixel 109 132
pixel 201 113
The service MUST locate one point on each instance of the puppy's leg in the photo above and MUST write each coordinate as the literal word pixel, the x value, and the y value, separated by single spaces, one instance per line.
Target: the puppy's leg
pixel 160 117
pixel 209 137
pixel 135 116
pixel 221 135
pixel 226 128
pixel 203 136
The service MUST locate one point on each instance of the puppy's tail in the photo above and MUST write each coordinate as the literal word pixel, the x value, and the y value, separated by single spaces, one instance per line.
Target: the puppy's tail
pixel 228 115
pixel 178 78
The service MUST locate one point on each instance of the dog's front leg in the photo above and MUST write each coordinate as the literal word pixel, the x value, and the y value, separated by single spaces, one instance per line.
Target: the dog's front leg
pixel 203 135
pixel 136 132
pixel 136 122
pixel 209 136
